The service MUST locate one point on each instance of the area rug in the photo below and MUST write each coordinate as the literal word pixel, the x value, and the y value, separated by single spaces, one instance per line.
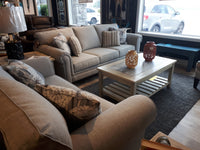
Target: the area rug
pixel 172 103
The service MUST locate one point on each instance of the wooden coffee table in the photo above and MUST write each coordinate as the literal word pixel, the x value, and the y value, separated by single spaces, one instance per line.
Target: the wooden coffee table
pixel 141 80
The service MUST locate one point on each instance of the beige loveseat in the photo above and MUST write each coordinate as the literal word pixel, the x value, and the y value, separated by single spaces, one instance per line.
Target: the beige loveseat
pixel 29 121
pixel 73 68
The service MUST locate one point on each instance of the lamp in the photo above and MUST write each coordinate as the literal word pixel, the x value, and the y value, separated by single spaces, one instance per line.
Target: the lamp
pixel 12 22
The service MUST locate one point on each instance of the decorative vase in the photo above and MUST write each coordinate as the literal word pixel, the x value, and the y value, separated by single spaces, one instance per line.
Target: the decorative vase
pixel 149 51
pixel 131 59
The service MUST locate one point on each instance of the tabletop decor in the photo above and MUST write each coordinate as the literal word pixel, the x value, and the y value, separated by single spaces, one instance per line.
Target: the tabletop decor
pixel 149 51
pixel 131 59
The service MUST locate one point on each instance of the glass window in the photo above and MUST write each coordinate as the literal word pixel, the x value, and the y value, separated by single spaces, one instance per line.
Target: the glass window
pixel 42 8
pixel 84 13
pixel 173 18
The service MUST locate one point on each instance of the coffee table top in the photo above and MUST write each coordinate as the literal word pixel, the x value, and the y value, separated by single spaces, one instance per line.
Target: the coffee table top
pixel 143 70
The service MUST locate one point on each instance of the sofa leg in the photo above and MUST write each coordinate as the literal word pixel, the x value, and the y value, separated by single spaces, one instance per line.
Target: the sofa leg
pixel 196 81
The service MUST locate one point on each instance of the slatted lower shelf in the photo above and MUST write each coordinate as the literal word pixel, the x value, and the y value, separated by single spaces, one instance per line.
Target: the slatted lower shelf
pixel 149 87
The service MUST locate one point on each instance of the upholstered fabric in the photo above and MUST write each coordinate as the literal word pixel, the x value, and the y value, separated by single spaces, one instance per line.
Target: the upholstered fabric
pixel 110 38
pixel 84 61
pixel 60 41
pixel 77 107
pixel 29 121
pixel 56 80
pixel 25 73
pixel 42 64
pixel 75 45
pixel 104 27
pixel 104 54
pixel 46 37
pixel 3 73
pixel 123 49
pixel 87 36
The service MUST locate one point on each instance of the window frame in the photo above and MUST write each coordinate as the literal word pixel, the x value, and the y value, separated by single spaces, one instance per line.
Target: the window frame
pixel 139 23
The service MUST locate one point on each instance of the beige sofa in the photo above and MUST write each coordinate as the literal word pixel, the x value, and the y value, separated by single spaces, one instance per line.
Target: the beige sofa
pixel 29 121
pixel 74 68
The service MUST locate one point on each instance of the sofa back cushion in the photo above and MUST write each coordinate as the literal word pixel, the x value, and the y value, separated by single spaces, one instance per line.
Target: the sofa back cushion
pixel 46 37
pixel 5 74
pixel 104 27
pixel 87 36
pixel 29 121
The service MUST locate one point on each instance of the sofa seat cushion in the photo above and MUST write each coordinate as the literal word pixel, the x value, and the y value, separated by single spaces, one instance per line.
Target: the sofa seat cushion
pixel 46 37
pixel 29 121
pixel 84 61
pixel 123 49
pixel 104 27
pixel 104 54
pixel 56 80
pixel 87 36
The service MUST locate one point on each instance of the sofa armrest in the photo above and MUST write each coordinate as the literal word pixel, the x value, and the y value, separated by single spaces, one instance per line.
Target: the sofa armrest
pixel 63 62
pixel 134 39
pixel 120 127
pixel 42 64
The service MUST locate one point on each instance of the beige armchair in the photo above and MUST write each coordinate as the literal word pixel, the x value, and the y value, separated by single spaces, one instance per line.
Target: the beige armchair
pixel 197 75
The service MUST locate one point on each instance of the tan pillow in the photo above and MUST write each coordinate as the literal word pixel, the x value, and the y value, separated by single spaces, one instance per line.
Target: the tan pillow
pixel 122 34
pixel 110 38
pixel 29 121
pixel 60 41
pixel 77 107
pixel 25 73
pixel 75 45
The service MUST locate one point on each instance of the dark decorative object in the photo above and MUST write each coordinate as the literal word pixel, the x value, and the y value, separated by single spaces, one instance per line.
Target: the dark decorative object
pixel 163 140
pixel 131 59
pixel 14 50
pixel 61 11
pixel 149 51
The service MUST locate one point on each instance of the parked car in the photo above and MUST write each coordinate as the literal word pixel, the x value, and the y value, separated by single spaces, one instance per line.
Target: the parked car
pixel 162 18
pixel 93 16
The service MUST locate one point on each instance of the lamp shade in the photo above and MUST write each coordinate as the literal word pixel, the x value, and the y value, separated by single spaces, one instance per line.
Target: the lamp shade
pixel 12 20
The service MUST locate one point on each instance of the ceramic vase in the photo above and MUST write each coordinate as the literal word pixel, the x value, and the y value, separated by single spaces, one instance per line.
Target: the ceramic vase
pixel 149 51
pixel 131 59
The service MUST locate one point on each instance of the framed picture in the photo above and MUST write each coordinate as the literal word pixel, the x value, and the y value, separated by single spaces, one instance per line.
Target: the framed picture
pixel 28 6
pixel 61 11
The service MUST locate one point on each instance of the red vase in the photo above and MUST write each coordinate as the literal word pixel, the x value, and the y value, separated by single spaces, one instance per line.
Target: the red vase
pixel 149 51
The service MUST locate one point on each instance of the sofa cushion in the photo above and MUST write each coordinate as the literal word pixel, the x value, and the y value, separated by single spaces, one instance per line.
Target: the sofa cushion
pixel 56 80
pixel 25 73
pixel 122 34
pixel 77 107
pixel 87 36
pixel 60 41
pixel 3 73
pixel 110 38
pixel 123 49
pixel 75 45
pixel 29 121
pixel 46 37
pixel 104 27
pixel 104 54
pixel 84 61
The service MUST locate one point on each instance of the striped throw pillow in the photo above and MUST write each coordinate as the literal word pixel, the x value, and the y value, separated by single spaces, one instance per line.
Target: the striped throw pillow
pixel 110 38
pixel 75 45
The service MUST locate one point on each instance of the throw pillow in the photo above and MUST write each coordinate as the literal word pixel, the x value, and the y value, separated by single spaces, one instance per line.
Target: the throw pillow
pixel 77 107
pixel 110 38
pixel 122 34
pixel 25 73
pixel 60 41
pixel 75 45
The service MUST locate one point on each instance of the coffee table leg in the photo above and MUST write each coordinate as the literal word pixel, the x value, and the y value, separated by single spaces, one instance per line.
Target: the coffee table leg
pixel 171 71
pixel 100 84
pixel 133 89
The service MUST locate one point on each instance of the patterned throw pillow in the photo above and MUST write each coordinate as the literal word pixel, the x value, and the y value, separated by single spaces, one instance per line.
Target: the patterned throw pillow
pixel 110 38
pixel 25 73
pixel 75 45
pixel 60 41
pixel 77 107
pixel 122 34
